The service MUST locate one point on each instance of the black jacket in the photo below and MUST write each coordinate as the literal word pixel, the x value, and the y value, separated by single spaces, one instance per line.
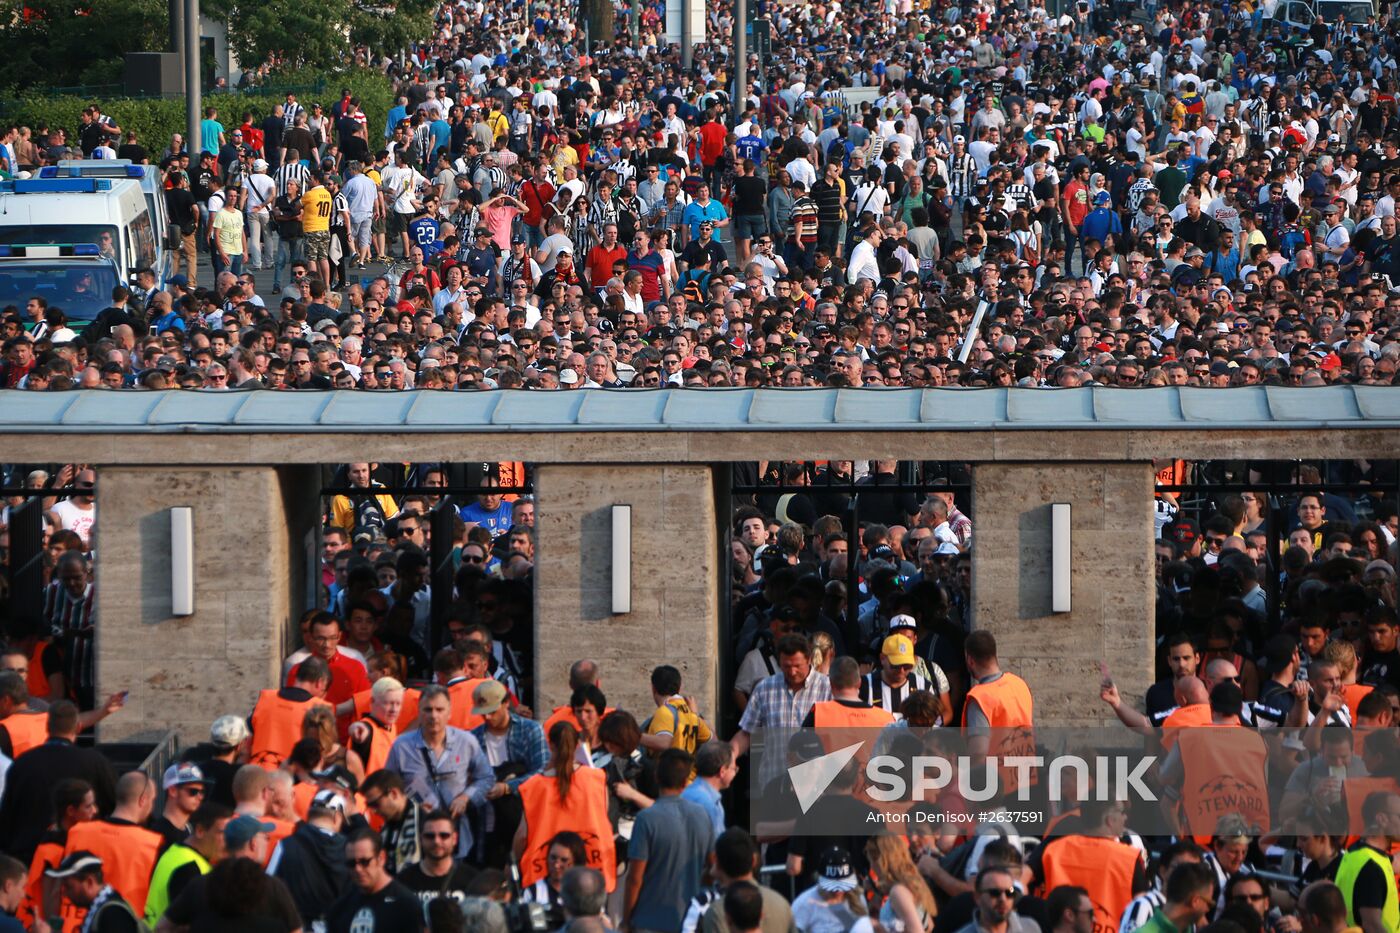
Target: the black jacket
pixel 312 866
pixel 27 808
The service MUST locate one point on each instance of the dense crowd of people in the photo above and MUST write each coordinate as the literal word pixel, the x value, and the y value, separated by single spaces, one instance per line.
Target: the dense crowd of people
pixel 401 776
pixel 956 195
pixel 1197 197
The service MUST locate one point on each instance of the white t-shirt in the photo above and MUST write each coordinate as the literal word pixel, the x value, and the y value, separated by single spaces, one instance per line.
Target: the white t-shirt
pixel 552 246
pixel 75 519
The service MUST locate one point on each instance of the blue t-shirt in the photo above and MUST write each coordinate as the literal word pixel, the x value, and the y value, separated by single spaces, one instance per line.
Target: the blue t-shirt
pixel 673 836
pixel 497 522
pixel 209 131
pixel 694 214
pixel 751 147
pixel 424 232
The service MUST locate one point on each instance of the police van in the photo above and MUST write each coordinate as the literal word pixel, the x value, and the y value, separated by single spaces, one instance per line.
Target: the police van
pixel 66 225
pixel 152 185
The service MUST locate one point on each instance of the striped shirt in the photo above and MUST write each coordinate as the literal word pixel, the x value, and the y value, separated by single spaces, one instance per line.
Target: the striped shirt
pixel 1021 195
pixel 71 620
pixel 881 695
pixel 289 113
pixel 963 172
pixel 289 172
pixel 698 905
pixel 1140 910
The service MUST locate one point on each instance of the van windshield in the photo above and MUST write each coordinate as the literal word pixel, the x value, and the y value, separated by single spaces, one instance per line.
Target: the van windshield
pixel 1350 11
pixel 80 290
pixel 104 235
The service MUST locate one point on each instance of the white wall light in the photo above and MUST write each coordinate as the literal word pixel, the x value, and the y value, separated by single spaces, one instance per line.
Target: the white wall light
pixel 1060 571
pixel 182 561
pixel 621 559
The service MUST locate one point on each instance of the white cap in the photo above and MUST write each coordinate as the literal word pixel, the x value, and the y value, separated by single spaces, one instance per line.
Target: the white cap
pixel 959 139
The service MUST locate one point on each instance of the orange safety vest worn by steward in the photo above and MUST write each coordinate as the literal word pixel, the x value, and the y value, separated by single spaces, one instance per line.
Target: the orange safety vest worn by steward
pixel 27 730
pixel 128 854
pixel 1225 772
pixel 462 703
pixel 1010 711
pixel 1351 696
pixel 1184 717
pixel 302 795
pixel 48 854
pixel 584 810
pixel 1355 790
pixel 1103 867
pixel 381 739
pixel 408 714
pixel 36 680
pixel 277 727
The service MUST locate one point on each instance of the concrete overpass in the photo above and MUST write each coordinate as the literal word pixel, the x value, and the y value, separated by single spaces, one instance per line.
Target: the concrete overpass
pixel 247 463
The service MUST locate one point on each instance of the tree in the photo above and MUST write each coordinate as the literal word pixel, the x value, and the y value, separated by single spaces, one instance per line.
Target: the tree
pixel 290 33
pixel 386 29
pixel 56 43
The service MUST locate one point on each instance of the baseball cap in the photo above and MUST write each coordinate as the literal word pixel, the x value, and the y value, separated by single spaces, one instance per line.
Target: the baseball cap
pixel 328 800
pixel 1102 198
pixel 178 279
pixel 240 830
pixel 568 377
pixel 959 139
pixel 339 775
pixel 179 774
pixel 902 620
pixel 1332 361
pixel 76 863
pixel 488 697
pixel 228 731
pixel 883 552
pixel 898 650
pixel 947 549
pixel 1224 174
pixel 835 873
pixel 1182 530
pixel 1220 368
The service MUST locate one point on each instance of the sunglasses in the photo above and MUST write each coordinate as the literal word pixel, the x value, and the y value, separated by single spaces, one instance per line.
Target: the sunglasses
pixel 359 862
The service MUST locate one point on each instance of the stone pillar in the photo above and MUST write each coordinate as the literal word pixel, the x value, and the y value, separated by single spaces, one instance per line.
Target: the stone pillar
pixel 1113 594
pixel 675 581
pixel 255 531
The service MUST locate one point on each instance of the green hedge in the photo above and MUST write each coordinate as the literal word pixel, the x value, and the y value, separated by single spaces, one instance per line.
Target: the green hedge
pixel 155 119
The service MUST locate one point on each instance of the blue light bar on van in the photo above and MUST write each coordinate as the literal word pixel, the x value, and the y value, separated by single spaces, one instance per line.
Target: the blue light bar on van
pixel 93 171
pixel 61 185
pixel 49 250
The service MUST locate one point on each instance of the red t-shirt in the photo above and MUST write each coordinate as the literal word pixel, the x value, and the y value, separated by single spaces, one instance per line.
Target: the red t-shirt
pixel 600 263
pixel 535 199
pixel 348 677
pixel 712 137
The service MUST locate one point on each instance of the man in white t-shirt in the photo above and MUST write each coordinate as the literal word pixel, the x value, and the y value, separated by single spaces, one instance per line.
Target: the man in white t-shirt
pixel 400 185
pixel 78 512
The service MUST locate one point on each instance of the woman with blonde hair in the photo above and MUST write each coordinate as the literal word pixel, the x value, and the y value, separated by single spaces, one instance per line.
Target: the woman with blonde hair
pixel 908 904
pixel 823 652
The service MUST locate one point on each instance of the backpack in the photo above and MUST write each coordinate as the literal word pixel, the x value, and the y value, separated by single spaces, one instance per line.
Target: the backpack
pixel 694 284
pixel 1291 239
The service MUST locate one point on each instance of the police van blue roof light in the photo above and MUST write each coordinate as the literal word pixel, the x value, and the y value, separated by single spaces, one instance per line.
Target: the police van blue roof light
pixel 86 249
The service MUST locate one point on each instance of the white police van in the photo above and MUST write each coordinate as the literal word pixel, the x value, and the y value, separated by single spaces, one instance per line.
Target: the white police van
pixel 69 224
pixel 152 185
